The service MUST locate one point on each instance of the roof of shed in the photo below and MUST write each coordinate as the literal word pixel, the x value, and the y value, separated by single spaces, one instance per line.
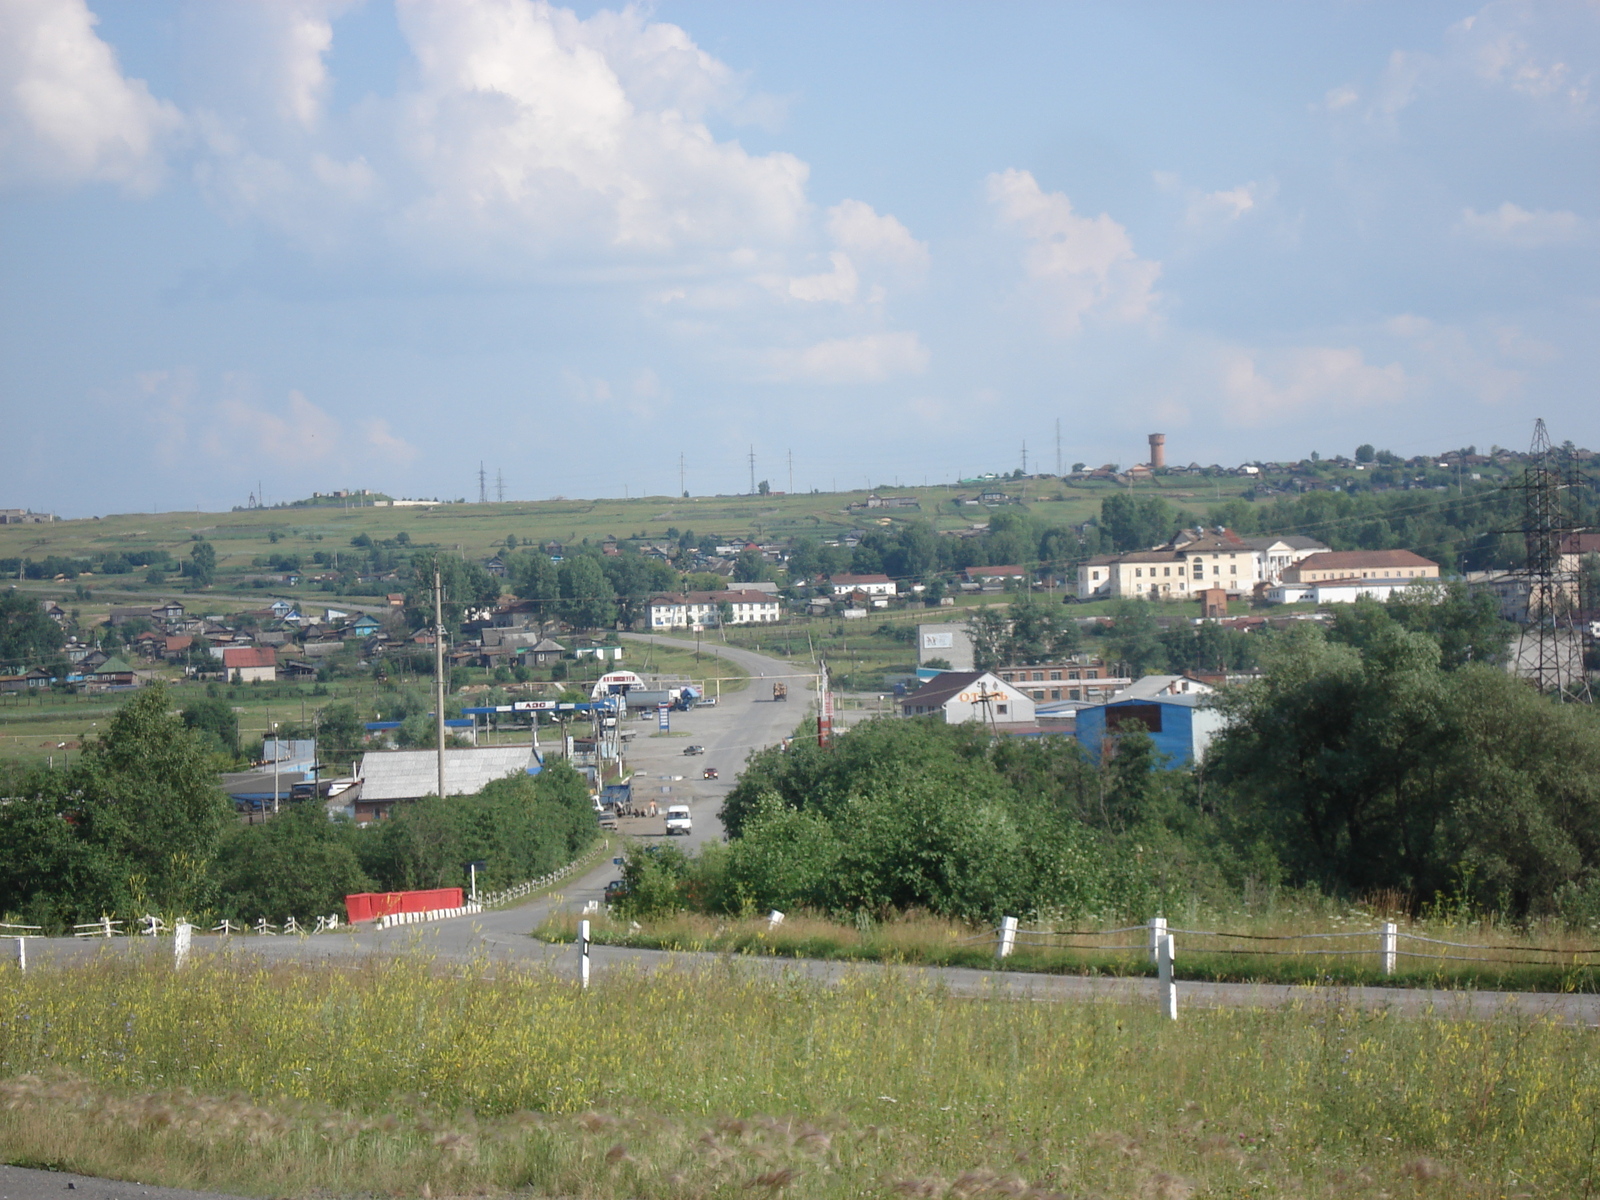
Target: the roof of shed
pixel 411 774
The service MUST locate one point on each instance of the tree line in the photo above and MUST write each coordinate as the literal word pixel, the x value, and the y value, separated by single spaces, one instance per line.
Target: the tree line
pixel 139 824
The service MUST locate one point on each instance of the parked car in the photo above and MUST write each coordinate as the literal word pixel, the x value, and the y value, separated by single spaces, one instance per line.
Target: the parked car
pixel 709 773
pixel 694 749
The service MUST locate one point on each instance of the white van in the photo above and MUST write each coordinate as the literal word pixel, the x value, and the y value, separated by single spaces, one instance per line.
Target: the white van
pixel 678 819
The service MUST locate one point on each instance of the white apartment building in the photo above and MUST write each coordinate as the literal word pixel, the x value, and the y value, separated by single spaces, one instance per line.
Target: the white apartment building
pixel 1192 562
pixel 871 585
pixel 679 610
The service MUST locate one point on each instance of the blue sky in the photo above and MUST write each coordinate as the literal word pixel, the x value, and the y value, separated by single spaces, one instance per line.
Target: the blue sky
pixel 336 244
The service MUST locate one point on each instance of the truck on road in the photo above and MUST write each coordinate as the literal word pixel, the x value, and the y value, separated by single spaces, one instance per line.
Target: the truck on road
pixel 780 691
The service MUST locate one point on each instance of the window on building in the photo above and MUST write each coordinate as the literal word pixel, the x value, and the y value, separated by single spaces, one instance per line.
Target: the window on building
pixel 1055 693
pixel 1001 709
pixel 1138 572
pixel 1055 675
pixel 1037 676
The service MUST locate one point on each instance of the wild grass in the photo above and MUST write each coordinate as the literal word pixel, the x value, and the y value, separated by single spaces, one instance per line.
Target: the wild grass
pixel 403 1077
pixel 1544 956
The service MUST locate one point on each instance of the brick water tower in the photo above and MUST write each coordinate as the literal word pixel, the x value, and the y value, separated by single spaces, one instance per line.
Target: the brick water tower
pixel 1158 451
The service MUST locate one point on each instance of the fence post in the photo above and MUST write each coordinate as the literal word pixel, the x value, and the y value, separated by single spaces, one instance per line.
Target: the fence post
pixel 774 919
pixel 1158 930
pixel 22 954
pixel 181 937
pixel 1168 989
pixel 583 953
pixel 1007 937
pixel 1389 945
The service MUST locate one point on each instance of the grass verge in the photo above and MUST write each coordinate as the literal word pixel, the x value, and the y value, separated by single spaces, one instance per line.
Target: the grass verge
pixel 930 941
pixel 405 1077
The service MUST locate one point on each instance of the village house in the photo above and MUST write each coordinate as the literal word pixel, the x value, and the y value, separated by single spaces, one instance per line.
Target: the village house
pixel 250 664
pixel 960 696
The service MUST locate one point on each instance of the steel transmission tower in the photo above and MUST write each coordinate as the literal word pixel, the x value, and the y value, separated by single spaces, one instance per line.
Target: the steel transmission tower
pixel 483 485
pixel 1550 651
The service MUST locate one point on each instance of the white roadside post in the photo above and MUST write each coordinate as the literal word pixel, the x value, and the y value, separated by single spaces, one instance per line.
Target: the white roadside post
pixel 22 954
pixel 583 953
pixel 1158 930
pixel 1389 946
pixel 774 919
pixel 1169 989
pixel 1008 938
pixel 181 939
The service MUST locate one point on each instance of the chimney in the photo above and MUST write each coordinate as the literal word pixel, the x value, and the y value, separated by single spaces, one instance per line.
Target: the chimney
pixel 1158 451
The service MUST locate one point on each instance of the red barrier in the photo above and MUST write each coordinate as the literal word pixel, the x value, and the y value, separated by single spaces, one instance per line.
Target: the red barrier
pixel 369 906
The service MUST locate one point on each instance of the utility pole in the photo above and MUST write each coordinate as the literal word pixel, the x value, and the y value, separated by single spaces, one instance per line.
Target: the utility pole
pixel 682 490
pixel 752 470
pixel 791 472
pixel 500 485
pixel 1024 456
pixel 483 484
pixel 438 671
pixel 1058 445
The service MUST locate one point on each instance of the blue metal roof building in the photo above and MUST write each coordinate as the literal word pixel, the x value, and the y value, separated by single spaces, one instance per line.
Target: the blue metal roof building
pixel 1180 727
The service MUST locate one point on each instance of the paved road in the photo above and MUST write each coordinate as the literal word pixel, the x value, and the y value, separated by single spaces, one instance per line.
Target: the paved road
pixel 742 722
pixel 23 1183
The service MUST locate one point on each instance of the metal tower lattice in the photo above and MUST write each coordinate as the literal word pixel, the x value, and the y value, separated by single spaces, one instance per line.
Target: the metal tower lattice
pixel 1550 652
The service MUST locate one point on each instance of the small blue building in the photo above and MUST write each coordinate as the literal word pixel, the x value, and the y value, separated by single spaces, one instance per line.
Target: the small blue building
pixel 1180 727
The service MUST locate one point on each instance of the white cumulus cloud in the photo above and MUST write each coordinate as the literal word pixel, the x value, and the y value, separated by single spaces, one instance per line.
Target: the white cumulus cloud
pixel 67 113
pixel 524 131
pixel 866 358
pixel 1513 225
pixel 1079 265
pixel 860 230
pixel 1266 387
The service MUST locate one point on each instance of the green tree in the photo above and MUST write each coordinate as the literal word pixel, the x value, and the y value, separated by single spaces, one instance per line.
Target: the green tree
pixel 989 628
pixel 26 634
pixel 202 567
pixel 466 586
pixel 299 865
pixel 1136 522
pixel 1135 639
pixel 215 717
pixel 587 597
pixel 1365 453
pixel 339 732
pixel 534 577
pixel 134 824
pixel 749 567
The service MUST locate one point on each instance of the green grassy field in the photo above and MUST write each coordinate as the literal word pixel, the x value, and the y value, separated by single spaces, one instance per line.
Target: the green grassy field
pixel 412 1078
